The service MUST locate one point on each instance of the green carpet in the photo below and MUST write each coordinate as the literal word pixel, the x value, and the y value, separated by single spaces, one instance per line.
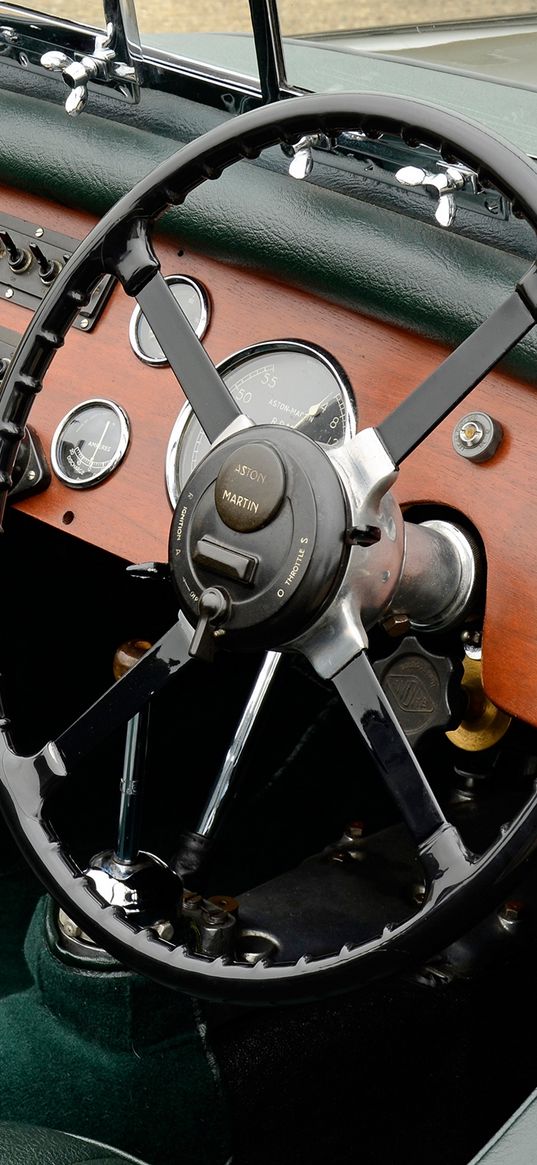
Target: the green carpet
pixel 109 1056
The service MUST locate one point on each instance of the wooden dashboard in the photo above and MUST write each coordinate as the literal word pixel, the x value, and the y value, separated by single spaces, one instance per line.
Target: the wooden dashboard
pixel 129 514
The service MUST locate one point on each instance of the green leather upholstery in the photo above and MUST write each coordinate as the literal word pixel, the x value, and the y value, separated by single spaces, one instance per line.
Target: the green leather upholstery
pixel 516 1142
pixel 28 1145
pixel 386 264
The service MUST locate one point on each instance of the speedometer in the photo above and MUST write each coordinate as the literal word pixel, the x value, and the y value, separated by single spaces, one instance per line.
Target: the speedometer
pixel 281 382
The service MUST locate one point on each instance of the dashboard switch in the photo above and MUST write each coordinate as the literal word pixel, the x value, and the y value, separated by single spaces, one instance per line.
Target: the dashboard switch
pixel 17 257
pixel 48 268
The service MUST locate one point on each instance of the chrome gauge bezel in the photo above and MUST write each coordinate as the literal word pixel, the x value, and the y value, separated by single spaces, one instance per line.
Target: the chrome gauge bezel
pixel 117 456
pixel 227 365
pixel 200 330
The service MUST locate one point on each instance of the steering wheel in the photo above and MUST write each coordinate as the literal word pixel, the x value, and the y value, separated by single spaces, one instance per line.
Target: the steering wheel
pixel 277 543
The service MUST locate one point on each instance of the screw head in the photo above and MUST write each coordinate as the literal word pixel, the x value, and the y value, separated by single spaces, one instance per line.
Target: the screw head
pixel 39 232
pixel 165 930
pixel 9 293
pixel 471 434
pixel 84 323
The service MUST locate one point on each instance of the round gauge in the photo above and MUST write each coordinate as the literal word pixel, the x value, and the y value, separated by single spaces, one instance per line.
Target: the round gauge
pixel 192 299
pixel 281 382
pixel 90 442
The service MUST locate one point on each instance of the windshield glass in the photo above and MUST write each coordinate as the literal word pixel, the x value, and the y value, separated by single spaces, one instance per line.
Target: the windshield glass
pixel 306 17
pixel 202 30
pixel 496 39
pixel 325 40
pixel 164 15
pixel 90 12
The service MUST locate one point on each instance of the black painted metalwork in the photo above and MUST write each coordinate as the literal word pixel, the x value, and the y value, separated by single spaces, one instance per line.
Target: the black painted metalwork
pixel 269 49
pixel 389 749
pixel 461 887
pixel 27 285
pixel 127 696
pixel 31 473
pixel 412 421
pixel 211 400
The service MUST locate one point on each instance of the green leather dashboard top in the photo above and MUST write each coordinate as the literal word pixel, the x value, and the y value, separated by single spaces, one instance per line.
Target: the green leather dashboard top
pixel 381 262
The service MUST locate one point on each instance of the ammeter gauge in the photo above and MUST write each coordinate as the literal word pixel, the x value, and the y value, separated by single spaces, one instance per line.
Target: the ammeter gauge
pixel 90 442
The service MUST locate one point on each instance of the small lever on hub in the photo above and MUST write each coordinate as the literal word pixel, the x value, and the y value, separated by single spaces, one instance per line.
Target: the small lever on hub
pixel 213 610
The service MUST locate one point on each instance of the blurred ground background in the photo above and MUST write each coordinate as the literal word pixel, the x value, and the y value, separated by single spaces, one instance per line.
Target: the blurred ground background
pixel 297 16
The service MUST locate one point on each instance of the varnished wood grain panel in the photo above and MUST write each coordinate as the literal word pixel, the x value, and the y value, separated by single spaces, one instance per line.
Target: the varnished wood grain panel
pixel 130 515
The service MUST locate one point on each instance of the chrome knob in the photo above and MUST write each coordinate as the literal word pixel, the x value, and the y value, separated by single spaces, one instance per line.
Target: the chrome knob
pixel 301 163
pixel 77 74
pixel 445 184
pixel 301 156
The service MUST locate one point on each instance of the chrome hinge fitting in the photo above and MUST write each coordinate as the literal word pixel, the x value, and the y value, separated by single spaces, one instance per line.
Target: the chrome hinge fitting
pixel 301 154
pixel 445 184
pixel 101 65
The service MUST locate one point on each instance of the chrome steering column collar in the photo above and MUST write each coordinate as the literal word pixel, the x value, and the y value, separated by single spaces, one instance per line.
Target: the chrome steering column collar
pixel 441 575
pixel 428 572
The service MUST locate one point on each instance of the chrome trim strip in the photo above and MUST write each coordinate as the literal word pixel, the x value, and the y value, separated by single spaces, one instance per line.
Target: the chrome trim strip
pixel 246 723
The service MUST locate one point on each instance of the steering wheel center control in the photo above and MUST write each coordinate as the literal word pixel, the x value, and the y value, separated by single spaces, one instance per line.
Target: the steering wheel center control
pixel 264 519
pixel 264 481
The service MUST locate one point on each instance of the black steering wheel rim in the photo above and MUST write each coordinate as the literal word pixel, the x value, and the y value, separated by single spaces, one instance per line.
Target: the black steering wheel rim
pixel 461 887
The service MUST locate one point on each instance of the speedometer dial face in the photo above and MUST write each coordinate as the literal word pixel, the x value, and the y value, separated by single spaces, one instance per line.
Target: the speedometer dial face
pixel 283 382
pixel 90 442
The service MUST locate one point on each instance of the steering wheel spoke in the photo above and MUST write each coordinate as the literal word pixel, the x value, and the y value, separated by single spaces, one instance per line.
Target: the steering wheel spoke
pixel 389 749
pixel 126 696
pixel 35 778
pixel 211 401
pixel 412 421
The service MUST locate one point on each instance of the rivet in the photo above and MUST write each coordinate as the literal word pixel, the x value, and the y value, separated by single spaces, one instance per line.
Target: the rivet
pixel 9 293
pixel 84 323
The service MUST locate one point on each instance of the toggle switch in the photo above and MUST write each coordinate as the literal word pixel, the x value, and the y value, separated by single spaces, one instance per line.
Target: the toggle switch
pixel 18 259
pixel 48 268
